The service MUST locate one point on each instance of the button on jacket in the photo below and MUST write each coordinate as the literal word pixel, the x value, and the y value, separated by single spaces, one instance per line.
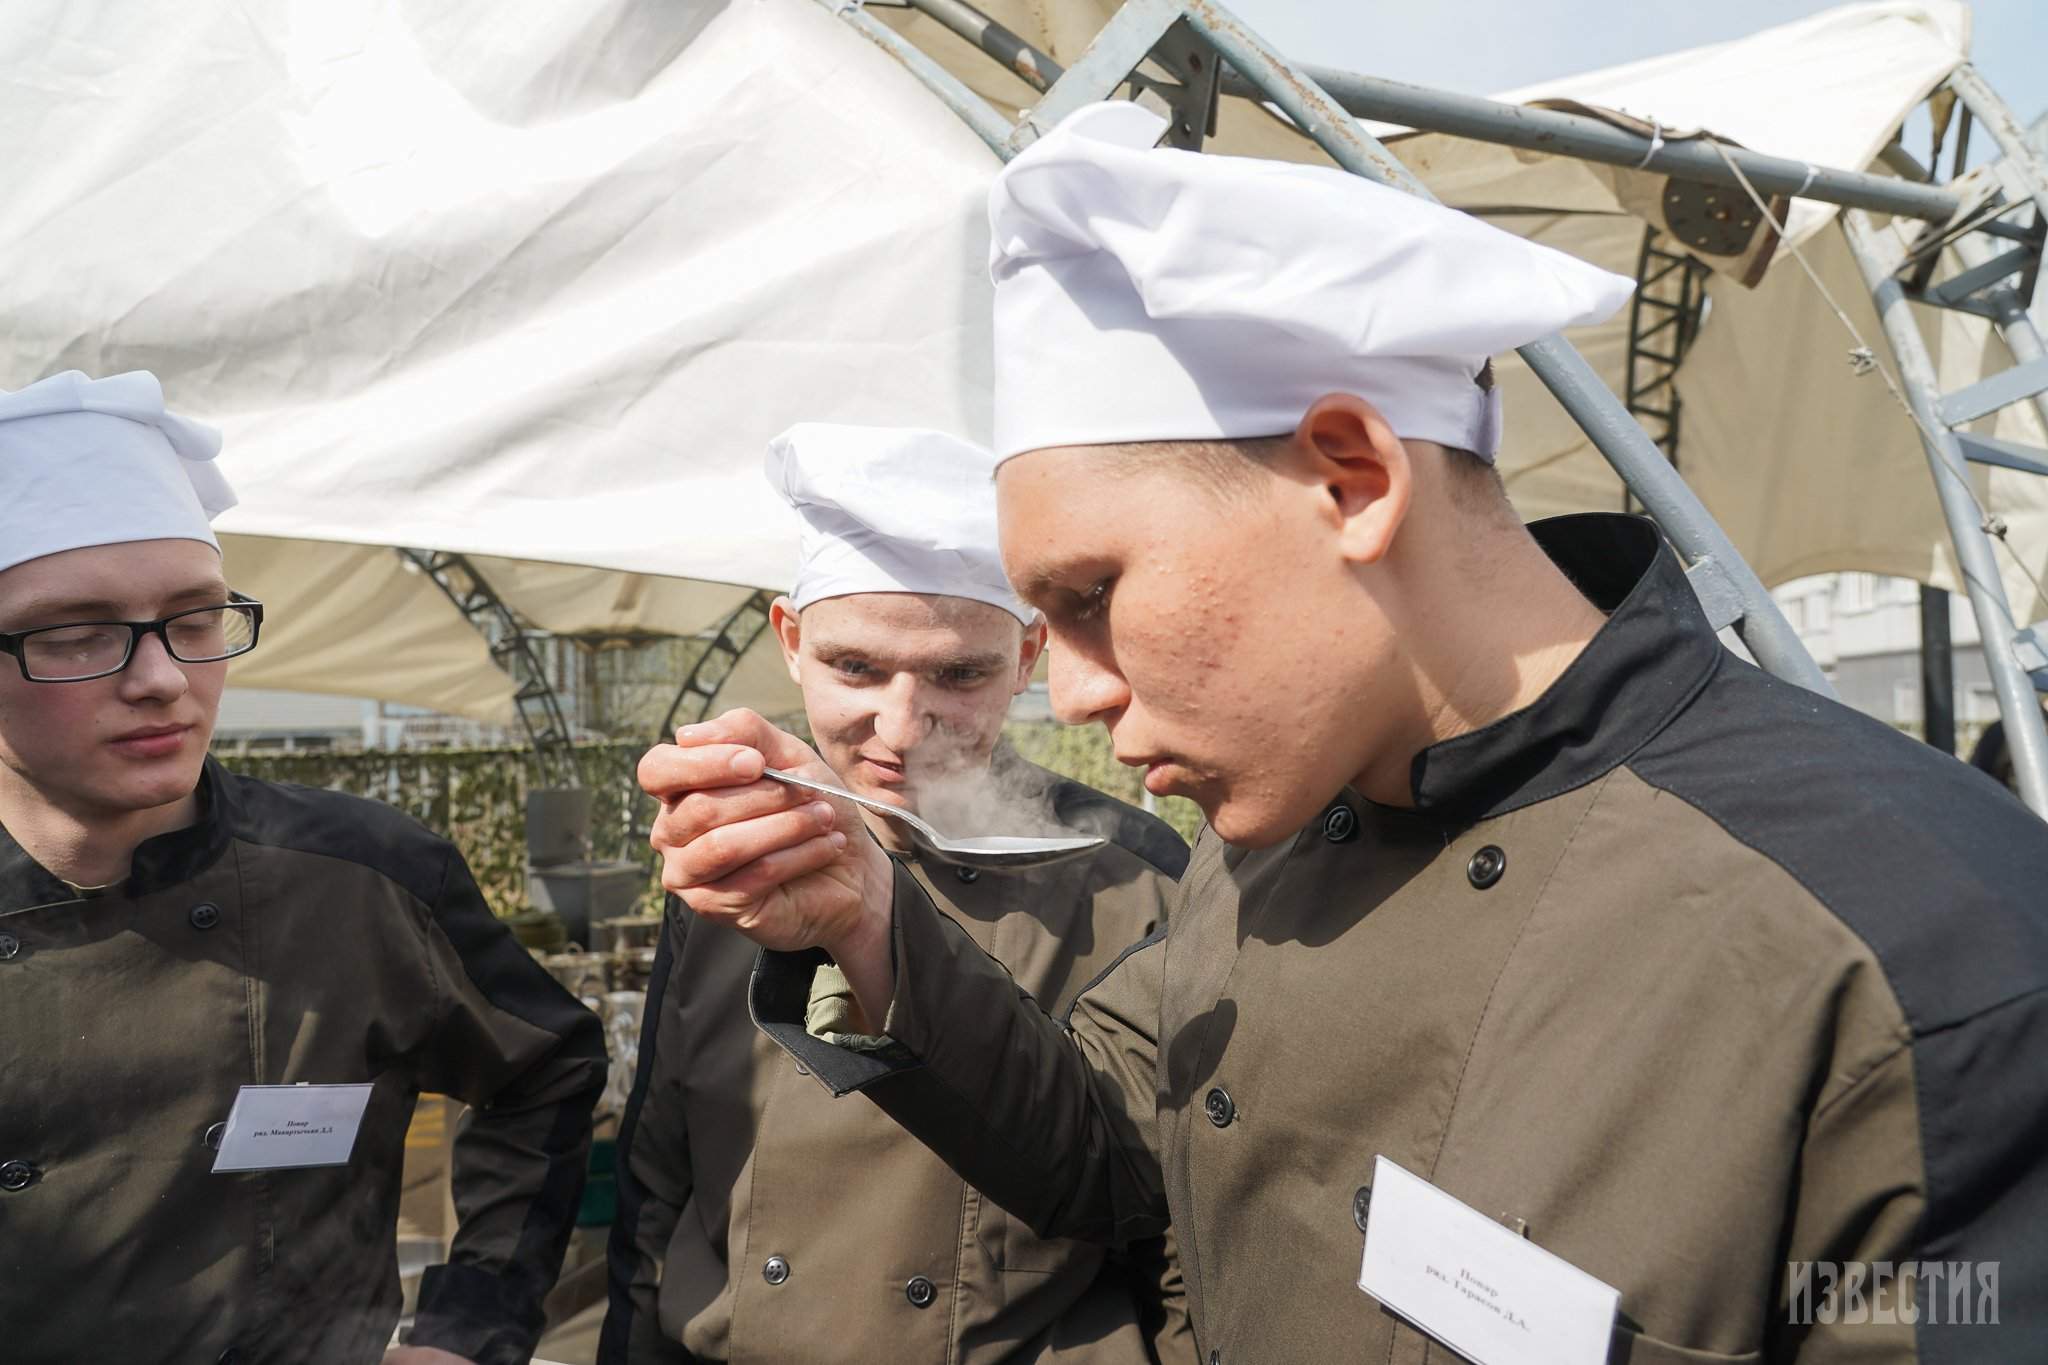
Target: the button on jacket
pixel 291 935
pixel 1687 972
pixel 760 1221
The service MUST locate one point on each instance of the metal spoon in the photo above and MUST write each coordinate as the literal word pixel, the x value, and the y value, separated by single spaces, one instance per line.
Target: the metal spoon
pixel 987 850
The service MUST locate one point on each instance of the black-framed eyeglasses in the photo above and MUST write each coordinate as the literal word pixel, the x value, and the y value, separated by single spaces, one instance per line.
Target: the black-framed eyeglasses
pixel 83 650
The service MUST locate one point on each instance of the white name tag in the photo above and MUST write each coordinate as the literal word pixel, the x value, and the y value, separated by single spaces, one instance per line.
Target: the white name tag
pixel 1491 1296
pixel 274 1127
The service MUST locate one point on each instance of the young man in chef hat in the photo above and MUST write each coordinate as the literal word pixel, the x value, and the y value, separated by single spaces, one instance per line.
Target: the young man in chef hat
pixel 742 1237
pixel 1572 988
pixel 223 996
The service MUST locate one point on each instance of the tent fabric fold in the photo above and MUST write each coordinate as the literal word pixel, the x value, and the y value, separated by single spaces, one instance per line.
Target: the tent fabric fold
pixel 504 280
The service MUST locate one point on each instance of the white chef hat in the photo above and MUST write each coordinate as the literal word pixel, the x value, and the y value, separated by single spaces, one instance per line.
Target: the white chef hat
pixel 1147 294
pixel 88 461
pixel 890 509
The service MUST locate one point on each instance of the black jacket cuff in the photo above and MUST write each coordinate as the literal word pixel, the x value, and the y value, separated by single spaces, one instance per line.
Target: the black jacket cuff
pixel 472 1312
pixel 779 998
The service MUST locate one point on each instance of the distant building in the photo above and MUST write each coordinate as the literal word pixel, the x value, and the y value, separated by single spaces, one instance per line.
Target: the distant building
pixel 1864 631
pixel 258 719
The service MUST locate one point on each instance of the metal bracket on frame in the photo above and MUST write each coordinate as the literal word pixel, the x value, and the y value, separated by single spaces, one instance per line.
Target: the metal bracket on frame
pixel 1719 597
pixel 1190 101
pixel 1124 42
pixel 2030 648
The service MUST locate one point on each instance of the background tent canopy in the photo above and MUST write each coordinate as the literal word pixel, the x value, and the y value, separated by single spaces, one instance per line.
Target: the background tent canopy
pixel 528 282
pixel 536 283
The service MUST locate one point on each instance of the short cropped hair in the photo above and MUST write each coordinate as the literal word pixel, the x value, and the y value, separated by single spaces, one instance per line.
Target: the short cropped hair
pixel 1228 466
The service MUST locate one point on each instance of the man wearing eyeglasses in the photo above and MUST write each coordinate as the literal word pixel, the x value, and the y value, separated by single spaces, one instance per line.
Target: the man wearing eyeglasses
pixel 220 998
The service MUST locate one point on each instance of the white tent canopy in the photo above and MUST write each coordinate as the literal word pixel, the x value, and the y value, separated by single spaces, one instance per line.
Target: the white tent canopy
pixel 524 281
pixel 535 283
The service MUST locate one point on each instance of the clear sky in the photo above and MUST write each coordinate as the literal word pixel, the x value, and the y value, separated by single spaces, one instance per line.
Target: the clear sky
pixel 1482 46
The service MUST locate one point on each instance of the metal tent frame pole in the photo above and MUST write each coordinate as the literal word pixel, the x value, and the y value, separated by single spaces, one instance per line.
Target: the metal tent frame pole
pixel 1976 560
pixel 1033 67
pixel 1664 316
pixel 977 113
pixel 2001 282
pixel 2021 161
pixel 1592 139
pixel 1440 111
pixel 724 646
pixel 1161 29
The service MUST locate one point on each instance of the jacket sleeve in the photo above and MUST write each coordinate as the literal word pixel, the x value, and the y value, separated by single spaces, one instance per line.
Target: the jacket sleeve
pixel 1922 1202
pixel 530 1062
pixel 1056 1124
pixel 1857 1205
pixel 653 1170
pixel 1150 1266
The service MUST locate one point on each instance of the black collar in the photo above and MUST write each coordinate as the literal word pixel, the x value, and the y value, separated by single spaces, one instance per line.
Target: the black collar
pixel 160 863
pixel 1643 667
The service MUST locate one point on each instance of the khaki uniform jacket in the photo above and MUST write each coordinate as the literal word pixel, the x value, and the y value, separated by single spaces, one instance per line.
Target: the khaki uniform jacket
pixel 761 1222
pixel 1693 973
pixel 291 935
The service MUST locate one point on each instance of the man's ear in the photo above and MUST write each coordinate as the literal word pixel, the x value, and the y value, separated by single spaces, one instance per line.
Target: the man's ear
pixel 1028 653
pixel 787 624
pixel 1364 468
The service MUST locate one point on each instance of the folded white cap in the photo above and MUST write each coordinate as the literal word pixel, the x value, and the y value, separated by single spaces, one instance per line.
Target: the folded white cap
pixel 888 509
pixel 1147 294
pixel 98 462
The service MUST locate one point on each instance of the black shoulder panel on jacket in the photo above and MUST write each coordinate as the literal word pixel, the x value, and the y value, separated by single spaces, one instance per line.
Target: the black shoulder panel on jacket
pixel 337 825
pixel 1932 864
pixel 1945 876
pixel 1081 807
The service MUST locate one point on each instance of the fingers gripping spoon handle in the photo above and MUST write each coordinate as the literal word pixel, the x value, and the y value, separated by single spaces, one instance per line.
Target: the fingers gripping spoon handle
pixel 989 850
